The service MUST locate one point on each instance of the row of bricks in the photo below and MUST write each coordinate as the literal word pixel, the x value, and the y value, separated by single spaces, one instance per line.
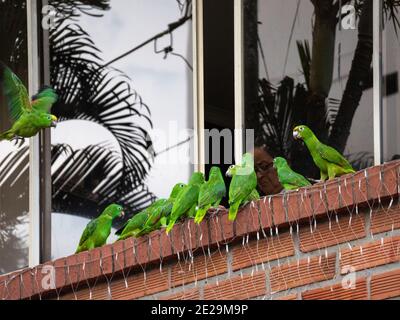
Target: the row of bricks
pixel 281 277
pixel 381 286
pixel 371 186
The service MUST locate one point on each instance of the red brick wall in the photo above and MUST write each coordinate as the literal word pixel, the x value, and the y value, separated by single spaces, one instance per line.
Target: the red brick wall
pixel 299 245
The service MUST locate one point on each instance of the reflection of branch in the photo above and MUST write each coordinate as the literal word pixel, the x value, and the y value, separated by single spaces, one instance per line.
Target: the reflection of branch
pixel 173 147
pixel 171 27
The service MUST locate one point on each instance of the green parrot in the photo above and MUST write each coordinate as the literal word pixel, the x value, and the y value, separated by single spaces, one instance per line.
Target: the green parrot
pixel 160 211
pixel 243 184
pixel 136 223
pixel 97 231
pixel 29 117
pixel 253 196
pixel 289 179
pixel 186 201
pixel 330 162
pixel 211 194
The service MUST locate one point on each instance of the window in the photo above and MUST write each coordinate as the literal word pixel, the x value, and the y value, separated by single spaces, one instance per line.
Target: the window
pixel 303 65
pixel 125 109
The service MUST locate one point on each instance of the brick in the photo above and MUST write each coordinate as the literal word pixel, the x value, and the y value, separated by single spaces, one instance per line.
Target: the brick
pixel 278 210
pixel 154 247
pixel 253 218
pixel 203 233
pixel 190 231
pixel 264 250
pixel 119 256
pixel 166 244
pixel 177 239
pixel 338 292
pixel 14 287
pixel 92 266
pixel 385 285
pixel 226 226
pixel 237 288
pixel 183 295
pixel 142 251
pixel 60 266
pixel 203 267
pixel 375 183
pixel 129 252
pixel 27 288
pixel 372 254
pixel 319 199
pixel 345 190
pixel 291 201
pixel 296 274
pixel 332 196
pixel 288 298
pixel 3 290
pixel 306 203
pixel 360 187
pixel 107 260
pixel 241 221
pixel 385 220
pixel 265 212
pixel 329 234
pixel 391 172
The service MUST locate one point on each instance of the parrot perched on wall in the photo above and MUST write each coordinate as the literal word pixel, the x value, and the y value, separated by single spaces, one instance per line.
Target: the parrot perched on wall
pixel 243 184
pixel 97 231
pixel 211 194
pixel 136 223
pixel 330 162
pixel 29 116
pixel 289 179
pixel 161 211
pixel 186 201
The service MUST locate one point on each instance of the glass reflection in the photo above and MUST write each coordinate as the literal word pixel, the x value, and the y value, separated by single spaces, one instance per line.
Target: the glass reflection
pixel 123 134
pixel 306 64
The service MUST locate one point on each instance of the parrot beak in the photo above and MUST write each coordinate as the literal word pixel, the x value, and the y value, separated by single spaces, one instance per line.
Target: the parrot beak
pixel 54 121
pixel 296 135
pixel 228 174
pixel 122 214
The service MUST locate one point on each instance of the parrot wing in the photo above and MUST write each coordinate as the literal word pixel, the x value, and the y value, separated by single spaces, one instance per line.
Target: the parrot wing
pixel 44 100
pixel 241 186
pixel 15 93
pixel 288 176
pixel 88 232
pixel 331 155
pixel 211 192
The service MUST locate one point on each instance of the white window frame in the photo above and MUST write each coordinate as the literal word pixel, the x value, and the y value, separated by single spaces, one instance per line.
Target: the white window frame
pixel 34 143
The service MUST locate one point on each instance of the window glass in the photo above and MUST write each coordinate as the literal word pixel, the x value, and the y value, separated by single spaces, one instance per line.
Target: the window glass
pixel 302 66
pixel 122 135
pixel 391 97
pixel 14 156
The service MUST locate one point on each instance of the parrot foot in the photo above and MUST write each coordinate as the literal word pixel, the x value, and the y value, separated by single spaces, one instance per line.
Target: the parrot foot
pixel 18 141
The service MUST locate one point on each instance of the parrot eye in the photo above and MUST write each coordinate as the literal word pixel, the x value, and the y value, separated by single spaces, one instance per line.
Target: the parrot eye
pixel 301 129
pixel 48 118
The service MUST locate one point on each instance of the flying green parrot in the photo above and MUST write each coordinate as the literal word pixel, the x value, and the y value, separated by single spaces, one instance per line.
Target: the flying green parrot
pixel 97 231
pixel 186 201
pixel 160 211
pixel 330 162
pixel 243 184
pixel 289 179
pixel 211 194
pixel 29 116
pixel 136 223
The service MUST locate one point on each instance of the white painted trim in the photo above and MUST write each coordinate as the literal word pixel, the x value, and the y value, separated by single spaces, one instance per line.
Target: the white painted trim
pixel 198 85
pixel 378 72
pixel 34 145
pixel 239 80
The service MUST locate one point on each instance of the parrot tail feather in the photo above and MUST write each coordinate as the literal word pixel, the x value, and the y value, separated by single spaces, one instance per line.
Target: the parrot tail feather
pixel 170 226
pixel 6 136
pixel 233 211
pixel 200 214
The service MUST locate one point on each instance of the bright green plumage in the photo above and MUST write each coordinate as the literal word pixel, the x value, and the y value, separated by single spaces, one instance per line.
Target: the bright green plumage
pixel 136 223
pixel 97 231
pixel 243 184
pixel 211 194
pixel 186 201
pixel 289 179
pixel 29 117
pixel 330 162
pixel 163 210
